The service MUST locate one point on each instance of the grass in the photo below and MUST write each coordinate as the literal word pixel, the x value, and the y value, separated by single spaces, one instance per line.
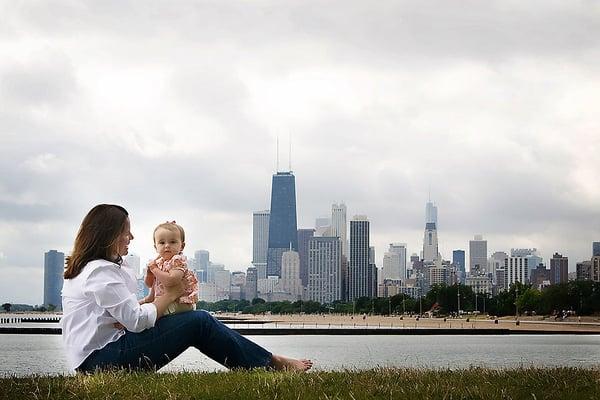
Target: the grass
pixel 413 384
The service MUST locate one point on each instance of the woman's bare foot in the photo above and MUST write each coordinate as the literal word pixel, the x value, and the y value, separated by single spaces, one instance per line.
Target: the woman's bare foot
pixel 282 363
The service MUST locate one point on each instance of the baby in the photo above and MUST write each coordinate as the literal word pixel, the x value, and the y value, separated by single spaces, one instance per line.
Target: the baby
pixel 170 267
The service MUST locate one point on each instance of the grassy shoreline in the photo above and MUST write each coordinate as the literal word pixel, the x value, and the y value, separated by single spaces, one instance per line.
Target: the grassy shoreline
pixel 384 383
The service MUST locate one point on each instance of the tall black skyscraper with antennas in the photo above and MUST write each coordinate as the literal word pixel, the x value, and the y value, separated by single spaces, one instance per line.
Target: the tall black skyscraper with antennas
pixel 283 231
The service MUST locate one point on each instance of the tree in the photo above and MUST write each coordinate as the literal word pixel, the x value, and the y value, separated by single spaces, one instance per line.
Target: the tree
pixel 529 300
pixel 7 307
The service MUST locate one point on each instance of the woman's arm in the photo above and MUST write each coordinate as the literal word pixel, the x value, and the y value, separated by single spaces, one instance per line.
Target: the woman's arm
pixel 108 286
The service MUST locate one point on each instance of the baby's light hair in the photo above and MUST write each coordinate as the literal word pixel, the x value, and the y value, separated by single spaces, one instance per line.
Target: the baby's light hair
pixel 170 226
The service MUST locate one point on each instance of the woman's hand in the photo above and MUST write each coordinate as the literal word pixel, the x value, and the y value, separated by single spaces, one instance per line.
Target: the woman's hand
pixel 174 290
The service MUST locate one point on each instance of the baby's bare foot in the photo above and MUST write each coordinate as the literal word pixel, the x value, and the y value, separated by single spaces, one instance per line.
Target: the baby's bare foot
pixel 282 363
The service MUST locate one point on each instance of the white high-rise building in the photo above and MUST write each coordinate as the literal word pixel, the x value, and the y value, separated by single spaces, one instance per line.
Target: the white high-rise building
pixel 325 269
pixel 339 226
pixel 394 262
pixel 290 274
pixel 430 243
pixel 516 269
pixel 478 259
pixel 531 254
pixel 260 241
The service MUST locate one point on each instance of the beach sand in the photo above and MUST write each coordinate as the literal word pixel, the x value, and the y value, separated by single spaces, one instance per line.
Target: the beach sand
pixel 572 324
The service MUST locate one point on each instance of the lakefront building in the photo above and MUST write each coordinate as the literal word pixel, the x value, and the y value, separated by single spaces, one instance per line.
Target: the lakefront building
pixel 283 230
pixel 360 277
pixel 325 269
pixel 478 256
pixel 54 264
pixel 260 241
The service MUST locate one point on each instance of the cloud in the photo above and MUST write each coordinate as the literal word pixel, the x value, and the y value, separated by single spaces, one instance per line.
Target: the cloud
pixel 174 112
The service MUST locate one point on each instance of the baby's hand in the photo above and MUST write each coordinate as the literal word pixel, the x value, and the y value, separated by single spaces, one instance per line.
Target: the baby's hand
pixel 119 326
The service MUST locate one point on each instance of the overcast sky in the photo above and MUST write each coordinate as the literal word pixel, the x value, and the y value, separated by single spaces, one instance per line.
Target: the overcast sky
pixel 172 110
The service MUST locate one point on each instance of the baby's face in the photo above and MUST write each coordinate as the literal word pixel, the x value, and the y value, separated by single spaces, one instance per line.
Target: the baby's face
pixel 167 243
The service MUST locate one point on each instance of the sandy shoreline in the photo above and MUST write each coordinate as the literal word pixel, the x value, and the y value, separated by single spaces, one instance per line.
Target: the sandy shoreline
pixel 481 322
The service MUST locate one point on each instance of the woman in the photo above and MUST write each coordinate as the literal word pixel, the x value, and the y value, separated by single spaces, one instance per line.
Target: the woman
pixel 99 301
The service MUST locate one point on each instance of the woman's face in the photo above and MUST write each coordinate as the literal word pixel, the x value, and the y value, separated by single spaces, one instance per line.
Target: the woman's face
pixel 124 238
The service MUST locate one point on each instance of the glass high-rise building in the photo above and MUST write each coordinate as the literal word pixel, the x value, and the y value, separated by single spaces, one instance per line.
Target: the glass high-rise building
pixel 595 249
pixel 283 230
pixel 360 275
pixel 431 213
pixel 458 259
pixel 54 265
pixel 202 261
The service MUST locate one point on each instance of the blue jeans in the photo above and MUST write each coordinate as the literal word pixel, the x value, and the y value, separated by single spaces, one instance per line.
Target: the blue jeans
pixel 153 348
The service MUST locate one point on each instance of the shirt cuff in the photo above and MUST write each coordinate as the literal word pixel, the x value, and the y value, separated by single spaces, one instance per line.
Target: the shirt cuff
pixel 150 309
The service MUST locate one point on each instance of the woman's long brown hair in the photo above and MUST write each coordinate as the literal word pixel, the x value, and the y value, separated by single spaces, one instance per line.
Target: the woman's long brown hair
pixel 97 237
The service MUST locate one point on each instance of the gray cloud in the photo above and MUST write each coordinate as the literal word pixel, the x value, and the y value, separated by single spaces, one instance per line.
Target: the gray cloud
pixel 173 111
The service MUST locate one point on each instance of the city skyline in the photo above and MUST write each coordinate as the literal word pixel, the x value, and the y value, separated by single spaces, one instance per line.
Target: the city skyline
pixel 490 113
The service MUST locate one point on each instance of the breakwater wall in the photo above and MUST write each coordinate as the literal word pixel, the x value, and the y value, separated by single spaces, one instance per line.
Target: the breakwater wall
pixel 12 330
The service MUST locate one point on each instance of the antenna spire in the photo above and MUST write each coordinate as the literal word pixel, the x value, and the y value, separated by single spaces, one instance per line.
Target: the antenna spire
pixel 277 155
pixel 290 156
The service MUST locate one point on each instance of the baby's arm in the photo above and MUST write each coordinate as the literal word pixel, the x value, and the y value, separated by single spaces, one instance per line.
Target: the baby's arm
pixel 149 298
pixel 149 278
pixel 170 278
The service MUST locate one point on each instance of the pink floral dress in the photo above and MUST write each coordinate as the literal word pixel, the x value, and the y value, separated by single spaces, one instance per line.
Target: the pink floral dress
pixel 190 281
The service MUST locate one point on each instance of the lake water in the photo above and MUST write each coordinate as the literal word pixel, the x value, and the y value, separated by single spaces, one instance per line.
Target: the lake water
pixel 43 354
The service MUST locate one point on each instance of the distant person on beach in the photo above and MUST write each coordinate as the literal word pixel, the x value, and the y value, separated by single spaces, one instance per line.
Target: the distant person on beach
pixel 170 267
pixel 99 297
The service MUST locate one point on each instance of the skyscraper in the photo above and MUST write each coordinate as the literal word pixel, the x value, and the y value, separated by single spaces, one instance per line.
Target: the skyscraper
pixel 260 241
pixel 559 269
pixel 290 274
pixel 359 274
pixel 531 254
pixel 595 268
pixel 304 236
pixel 430 243
pixel 595 249
pixel 516 269
pixel 477 255
pixel 431 216
pixel 202 261
pixel 283 233
pixel 339 227
pixel 54 264
pixel 394 262
pixel 458 259
pixel 250 290
pixel 325 269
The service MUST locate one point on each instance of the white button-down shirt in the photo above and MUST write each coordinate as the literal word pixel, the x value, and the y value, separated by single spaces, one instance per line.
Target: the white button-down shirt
pixel 103 293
